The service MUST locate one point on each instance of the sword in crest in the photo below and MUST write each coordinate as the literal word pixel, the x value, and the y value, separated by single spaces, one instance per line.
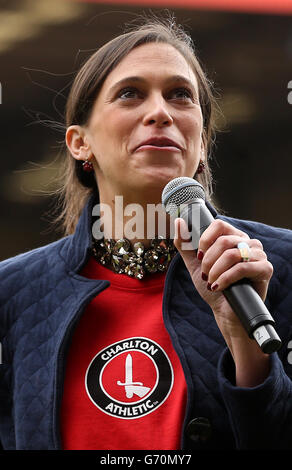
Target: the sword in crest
pixel 131 387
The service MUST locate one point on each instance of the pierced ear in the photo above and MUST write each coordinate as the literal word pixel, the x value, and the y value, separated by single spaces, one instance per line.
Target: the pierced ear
pixel 77 143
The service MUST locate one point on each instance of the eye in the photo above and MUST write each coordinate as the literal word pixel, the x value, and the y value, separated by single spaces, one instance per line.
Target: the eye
pixel 128 92
pixel 182 93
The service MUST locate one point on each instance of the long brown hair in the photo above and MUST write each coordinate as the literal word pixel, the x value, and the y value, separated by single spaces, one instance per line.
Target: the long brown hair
pixel 77 185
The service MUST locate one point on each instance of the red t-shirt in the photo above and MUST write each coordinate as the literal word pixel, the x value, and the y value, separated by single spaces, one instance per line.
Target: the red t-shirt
pixel 124 385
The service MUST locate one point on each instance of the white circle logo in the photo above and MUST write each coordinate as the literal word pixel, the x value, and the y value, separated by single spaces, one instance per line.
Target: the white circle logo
pixel 130 378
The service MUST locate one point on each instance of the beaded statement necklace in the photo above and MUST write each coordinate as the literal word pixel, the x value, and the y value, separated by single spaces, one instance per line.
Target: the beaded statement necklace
pixel 136 261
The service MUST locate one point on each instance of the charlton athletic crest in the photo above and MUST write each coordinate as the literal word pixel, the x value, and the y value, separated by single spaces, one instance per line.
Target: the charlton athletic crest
pixel 129 379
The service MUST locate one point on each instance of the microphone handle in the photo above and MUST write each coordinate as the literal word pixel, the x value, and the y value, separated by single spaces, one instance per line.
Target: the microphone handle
pixel 253 314
pixel 241 296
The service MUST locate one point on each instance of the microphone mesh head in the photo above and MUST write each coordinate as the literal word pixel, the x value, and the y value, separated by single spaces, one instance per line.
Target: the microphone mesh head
pixel 181 191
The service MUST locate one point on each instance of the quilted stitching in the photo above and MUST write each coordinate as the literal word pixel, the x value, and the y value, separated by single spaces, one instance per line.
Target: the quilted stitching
pixel 202 348
pixel 40 291
pixel 205 345
pixel 35 323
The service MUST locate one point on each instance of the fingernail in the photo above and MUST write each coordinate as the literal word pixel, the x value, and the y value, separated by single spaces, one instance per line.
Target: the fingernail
pixel 209 286
pixel 200 255
pixel 204 277
pixel 214 287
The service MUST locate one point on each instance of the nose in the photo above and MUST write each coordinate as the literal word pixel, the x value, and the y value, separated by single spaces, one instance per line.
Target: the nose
pixel 157 113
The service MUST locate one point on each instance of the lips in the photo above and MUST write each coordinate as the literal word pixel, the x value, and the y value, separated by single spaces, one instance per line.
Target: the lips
pixel 159 142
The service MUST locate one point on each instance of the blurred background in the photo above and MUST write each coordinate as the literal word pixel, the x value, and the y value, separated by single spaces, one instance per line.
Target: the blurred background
pixel 246 50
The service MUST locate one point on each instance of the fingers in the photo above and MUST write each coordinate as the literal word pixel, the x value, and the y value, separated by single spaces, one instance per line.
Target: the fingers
pixel 221 262
pixel 217 229
pixel 185 247
pixel 257 271
pixel 223 255
pixel 221 259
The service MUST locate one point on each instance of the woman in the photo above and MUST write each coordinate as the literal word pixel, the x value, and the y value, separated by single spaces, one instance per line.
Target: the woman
pixel 130 344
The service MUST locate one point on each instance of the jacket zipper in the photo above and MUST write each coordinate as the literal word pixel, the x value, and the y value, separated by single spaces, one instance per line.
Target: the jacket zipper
pixel 60 363
pixel 174 339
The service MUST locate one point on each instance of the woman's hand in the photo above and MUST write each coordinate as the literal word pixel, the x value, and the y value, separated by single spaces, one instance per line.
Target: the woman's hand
pixel 217 265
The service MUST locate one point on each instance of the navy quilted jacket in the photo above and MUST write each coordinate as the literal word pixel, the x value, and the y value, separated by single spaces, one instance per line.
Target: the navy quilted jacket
pixel 42 297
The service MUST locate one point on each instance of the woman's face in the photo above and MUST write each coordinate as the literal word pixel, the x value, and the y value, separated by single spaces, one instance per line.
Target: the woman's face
pixel 146 124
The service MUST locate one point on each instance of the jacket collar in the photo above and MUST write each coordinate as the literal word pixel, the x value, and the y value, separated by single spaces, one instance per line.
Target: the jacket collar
pixel 79 244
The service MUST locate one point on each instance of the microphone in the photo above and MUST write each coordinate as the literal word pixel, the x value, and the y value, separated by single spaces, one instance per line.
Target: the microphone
pixel 185 198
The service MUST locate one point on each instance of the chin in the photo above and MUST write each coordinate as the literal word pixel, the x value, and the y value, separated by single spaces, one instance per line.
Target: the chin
pixel 160 177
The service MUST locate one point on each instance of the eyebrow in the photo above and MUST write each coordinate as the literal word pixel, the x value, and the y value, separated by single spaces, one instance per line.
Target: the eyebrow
pixel 169 80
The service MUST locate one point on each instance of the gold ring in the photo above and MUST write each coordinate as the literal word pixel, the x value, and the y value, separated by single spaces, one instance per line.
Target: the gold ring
pixel 244 251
